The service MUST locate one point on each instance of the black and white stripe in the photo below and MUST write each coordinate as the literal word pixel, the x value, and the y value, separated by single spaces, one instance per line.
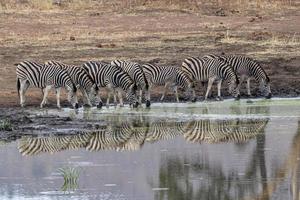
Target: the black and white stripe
pixel 168 76
pixel 210 69
pixel 216 131
pixel 246 69
pixel 80 78
pixel 126 136
pixel 114 78
pixel 165 130
pixel 31 146
pixel 135 71
pixel 116 136
pixel 45 77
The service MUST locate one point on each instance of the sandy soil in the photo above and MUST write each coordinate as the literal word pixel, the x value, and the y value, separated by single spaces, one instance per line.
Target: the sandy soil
pixel 148 36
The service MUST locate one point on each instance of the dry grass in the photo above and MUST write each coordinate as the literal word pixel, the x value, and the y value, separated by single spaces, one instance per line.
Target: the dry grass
pixel 230 6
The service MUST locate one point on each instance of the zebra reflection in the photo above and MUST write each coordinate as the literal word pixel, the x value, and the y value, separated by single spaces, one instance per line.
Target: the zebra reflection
pixel 132 134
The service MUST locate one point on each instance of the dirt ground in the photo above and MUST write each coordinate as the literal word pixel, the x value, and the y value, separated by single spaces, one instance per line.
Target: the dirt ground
pixel 154 36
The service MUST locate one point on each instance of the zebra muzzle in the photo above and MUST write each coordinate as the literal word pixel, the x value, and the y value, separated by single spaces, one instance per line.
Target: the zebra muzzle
pixel 136 104
pixel 148 104
pixel 238 97
pixel 100 105
pixel 269 96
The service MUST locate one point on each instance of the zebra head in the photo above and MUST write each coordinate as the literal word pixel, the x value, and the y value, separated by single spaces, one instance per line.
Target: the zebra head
pixel 186 83
pixel 93 93
pixel 131 95
pixel 265 88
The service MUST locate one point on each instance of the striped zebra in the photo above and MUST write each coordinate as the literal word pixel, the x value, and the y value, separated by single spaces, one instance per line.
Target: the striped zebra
pixel 45 77
pixel 209 69
pixel 168 76
pixel 114 78
pixel 246 69
pixel 80 78
pixel 135 71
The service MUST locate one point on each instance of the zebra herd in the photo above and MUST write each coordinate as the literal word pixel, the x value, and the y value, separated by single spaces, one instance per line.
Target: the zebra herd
pixel 122 135
pixel 136 79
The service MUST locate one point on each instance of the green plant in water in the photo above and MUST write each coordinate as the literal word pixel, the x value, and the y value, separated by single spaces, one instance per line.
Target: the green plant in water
pixel 5 125
pixel 70 175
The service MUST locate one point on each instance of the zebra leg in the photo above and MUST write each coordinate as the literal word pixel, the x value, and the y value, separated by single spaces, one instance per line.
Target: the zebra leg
pixel 140 97
pixel 115 97
pixel 120 99
pixel 194 99
pixel 58 97
pixel 24 86
pixel 98 100
pixel 46 91
pixel 210 82
pixel 108 97
pixel 147 97
pixel 86 97
pixel 164 91
pixel 176 93
pixel 219 90
pixel 248 87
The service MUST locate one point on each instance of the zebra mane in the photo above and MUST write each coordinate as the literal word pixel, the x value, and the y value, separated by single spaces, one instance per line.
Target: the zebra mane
pixel 74 89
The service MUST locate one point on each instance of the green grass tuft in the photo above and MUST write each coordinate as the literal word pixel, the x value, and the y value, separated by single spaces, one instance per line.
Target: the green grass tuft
pixel 5 125
pixel 70 175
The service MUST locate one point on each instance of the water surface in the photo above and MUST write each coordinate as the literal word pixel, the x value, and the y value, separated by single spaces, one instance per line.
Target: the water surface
pixel 213 150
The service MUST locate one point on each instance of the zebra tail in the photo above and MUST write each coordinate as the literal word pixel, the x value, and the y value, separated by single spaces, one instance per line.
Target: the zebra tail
pixel 18 86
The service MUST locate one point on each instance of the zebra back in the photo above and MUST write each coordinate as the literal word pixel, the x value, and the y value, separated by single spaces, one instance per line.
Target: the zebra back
pixel 41 75
pixel 201 69
pixel 77 74
pixel 104 74
pixel 243 65
pixel 135 71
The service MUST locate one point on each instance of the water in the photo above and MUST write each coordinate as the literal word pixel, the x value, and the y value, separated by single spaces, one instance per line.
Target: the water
pixel 213 150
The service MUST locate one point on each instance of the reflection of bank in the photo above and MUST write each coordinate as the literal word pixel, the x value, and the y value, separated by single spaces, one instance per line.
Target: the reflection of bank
pixel 286 176
pixel 131 134
pixel 199 177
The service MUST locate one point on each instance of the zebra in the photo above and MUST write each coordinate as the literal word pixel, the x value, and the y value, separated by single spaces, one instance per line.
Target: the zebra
pixel 247 68
pixel 168 76
pixel 112 77
pixel 45 77
pixel 81 79
pixel 208 69
pixel 135 71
